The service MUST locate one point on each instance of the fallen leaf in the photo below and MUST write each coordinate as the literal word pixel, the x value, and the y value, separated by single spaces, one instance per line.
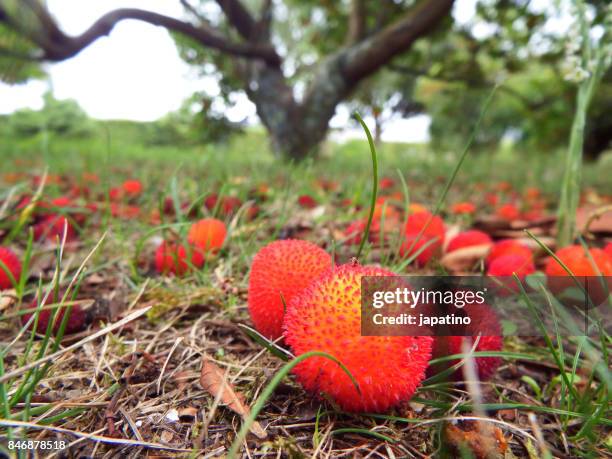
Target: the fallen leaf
pixel 482 439
pixel 213 381
pixel 465 258
pixel 166 437
pixel 7 299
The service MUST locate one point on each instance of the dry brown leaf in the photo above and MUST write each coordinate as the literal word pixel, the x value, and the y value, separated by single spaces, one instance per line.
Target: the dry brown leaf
pixel 465 258
pixel 482 439
pixel 213 381
pixel 7 299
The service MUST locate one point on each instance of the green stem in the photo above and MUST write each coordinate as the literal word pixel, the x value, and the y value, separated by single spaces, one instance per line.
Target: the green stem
pixel 366 233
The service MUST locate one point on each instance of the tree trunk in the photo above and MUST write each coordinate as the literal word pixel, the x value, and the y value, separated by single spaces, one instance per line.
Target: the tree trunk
pixel 296 128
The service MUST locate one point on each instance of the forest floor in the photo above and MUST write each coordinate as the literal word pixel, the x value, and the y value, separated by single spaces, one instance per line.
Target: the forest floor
pixel 142 375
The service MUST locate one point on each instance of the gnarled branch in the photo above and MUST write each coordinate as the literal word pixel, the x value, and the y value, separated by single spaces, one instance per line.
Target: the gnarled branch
pixel 370 54
pixel 239 17
pixel 58 46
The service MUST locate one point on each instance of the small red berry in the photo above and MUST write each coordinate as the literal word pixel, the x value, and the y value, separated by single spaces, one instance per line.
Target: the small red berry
pixel 9 261
pixel 508 247
pixel 207 234
pixel 172 259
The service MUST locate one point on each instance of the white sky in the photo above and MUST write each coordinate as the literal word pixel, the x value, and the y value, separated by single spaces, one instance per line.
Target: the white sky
pixel 136 72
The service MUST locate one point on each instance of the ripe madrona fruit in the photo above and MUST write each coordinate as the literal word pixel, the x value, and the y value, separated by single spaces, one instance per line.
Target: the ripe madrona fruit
pixel 279 272
pixel 326 317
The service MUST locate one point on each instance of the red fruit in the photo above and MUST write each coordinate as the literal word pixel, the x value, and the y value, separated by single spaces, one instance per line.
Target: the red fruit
pixel 508 212
pixel 579 263
pixel 326 317
pixel 211 201
pixel 484 320
pixel 91 178
pixel 52 227
pixel 207 234
pixel 413 245
pixel 386 183
pixel 594 264
pixel 463 208
pixel 508 247
pixel 307 202
pixel 417 221
pixel 280 271
pixel 77 320
pixel 492 199
pixel 506 266
pixel 532 193
pixel 124 211
pixel 423 229
pixel 354 232
pixel 132 188
pixel 468 239
pixel 608 250
pixel 228 206
pixel 172 259
pixel 115 194
pixel 8 261
pixel 383 209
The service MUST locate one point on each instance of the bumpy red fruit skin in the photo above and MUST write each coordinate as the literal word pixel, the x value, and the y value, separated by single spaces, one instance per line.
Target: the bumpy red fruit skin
pixel 132 187
pixel 463 208
pixel 282 268
pixel 76 321
pixel 327 317
pixel 508 265
pixel 12 263
pixel 508 247
pixel 608 250
pixel 415 239
pixel 172 259
pixel 579 263
pixel 307 202
pixel 413 244
pixel 208 234
pixel 508 212
pixel 505 267
pixel 52 226
pixel 468 239
pixel 575 258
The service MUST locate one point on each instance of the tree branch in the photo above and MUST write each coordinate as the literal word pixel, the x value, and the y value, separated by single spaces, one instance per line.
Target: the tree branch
pixel 58 47
pixel 239 17
pixel 367 56
pixel 356 25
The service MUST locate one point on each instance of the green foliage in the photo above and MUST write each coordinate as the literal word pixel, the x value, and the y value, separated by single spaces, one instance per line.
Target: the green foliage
pixel 60 117
pixel 196 122
pixel 14 68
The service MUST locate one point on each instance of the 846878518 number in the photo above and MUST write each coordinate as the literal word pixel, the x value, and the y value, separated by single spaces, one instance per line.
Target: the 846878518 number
pixel 36 444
